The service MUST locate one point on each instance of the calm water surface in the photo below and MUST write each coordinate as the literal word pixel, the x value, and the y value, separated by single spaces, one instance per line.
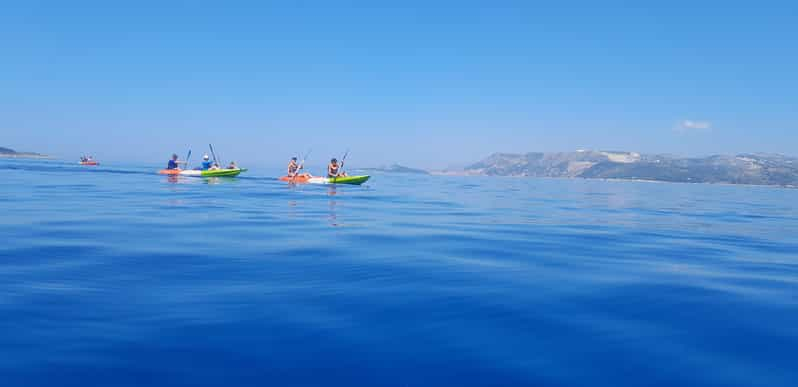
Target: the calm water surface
pixel 116 276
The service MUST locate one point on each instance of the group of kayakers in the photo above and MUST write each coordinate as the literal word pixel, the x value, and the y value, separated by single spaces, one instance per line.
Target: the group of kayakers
pixel 294 168
pixel 211 167
pixel 294 173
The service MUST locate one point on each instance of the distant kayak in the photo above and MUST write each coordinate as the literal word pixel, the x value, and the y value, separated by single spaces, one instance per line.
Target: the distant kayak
pixel 89 163
pixel 354 180
pixel 206 173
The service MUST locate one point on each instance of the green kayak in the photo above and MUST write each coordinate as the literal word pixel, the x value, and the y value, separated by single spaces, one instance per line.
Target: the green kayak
pixel 355 180
pixel 223 172
pixel 210 172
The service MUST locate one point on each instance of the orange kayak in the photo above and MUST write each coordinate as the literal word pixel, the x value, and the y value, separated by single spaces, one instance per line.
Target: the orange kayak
pixel 89 163
pixel 295 179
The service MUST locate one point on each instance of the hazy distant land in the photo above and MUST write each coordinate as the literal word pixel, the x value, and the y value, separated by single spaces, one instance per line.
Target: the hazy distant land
pixel 8 152
pixel 752 169
pixel 395 168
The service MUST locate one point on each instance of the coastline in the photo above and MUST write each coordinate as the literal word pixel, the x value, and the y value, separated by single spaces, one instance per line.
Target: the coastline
pixel 24 156
pixel 467 174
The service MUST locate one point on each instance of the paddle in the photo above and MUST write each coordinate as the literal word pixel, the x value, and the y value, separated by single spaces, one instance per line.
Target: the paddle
pixel 343 159
pixel 187 158
pixel 215 161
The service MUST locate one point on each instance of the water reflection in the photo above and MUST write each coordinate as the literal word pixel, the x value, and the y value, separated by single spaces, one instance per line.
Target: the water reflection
pixel 221 180
pixel 332 219
pixel 175 179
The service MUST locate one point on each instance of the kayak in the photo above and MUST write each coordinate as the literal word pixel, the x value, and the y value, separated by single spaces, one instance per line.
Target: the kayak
pixel 355 180
pixel 89 163
pixel 207 173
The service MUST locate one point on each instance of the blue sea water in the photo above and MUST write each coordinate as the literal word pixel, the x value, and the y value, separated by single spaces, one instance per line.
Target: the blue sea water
pixel 116 276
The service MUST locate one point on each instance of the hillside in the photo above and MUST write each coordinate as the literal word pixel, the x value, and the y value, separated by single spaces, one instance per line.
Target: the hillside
pixel 8 152
pixel 758 169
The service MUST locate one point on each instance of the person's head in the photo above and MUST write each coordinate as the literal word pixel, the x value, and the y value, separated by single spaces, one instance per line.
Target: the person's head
pixel 206 158
pixel 293 159
pixel 174 156
pixel 334 161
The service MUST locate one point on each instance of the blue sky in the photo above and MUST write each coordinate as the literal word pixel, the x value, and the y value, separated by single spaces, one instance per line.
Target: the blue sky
pixel 417 82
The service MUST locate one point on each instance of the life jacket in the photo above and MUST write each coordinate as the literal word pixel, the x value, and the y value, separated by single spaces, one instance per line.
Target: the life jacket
pixel 333 170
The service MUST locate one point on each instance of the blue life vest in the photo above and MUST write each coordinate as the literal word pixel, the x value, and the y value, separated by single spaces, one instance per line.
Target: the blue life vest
pixel 172 165
pixel 206 165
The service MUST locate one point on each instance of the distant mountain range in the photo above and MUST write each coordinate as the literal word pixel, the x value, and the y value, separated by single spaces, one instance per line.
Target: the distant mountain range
pixel 396 168
pixel 8 152
pixel 757 169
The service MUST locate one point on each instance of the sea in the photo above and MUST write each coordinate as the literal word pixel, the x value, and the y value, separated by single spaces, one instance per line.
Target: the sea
pixel 117 276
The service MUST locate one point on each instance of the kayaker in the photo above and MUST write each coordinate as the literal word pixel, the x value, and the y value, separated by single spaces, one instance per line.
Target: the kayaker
pixel 333 170
pixel 206 163
pixel 232 165
pixel 174 163
pixel 294 168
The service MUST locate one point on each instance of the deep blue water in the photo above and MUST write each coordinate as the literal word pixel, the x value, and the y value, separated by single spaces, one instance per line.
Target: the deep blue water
pixel 116 276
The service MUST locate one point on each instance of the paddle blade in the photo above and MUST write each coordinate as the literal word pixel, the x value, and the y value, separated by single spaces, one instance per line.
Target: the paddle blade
pixel 215 160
